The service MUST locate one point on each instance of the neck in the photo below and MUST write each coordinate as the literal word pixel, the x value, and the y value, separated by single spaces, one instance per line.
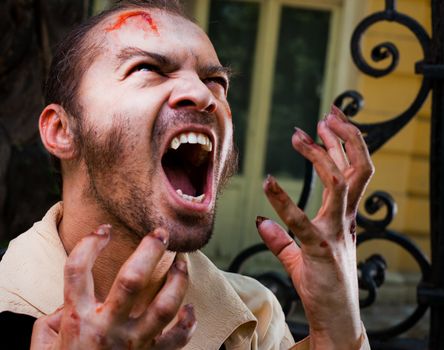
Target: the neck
pixel 81 217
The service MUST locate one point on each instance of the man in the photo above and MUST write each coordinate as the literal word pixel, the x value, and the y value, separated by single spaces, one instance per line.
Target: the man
pixel 137 115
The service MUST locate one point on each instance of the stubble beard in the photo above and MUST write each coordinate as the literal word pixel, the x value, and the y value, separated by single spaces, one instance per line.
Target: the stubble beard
pixel 122 185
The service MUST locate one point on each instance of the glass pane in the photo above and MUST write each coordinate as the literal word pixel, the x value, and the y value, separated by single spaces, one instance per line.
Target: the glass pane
pixel 232 29
pixel 297 86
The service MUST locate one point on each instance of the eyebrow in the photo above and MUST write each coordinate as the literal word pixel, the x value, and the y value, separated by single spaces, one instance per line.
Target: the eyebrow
pixel 211 70
pixel 130 52
pixel 169 63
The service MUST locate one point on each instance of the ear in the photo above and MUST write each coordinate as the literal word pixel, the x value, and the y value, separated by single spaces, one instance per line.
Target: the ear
pixel 55 132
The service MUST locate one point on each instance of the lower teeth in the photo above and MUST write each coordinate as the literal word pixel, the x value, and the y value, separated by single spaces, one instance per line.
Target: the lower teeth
pixel 198 199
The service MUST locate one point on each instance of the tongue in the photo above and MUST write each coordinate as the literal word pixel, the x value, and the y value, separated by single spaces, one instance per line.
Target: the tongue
pixel 180 180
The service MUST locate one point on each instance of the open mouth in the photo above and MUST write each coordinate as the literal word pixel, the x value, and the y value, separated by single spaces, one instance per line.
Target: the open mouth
pixel 187 164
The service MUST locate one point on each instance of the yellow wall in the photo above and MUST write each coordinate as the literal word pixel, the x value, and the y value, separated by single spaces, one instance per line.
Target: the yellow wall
pixel 402 165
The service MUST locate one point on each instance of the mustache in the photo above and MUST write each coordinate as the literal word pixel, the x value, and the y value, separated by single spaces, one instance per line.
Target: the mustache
pixel 168 119
pixel 173 118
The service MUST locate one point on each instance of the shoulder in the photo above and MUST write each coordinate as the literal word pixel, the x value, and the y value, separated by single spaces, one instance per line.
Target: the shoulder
pixel 31 270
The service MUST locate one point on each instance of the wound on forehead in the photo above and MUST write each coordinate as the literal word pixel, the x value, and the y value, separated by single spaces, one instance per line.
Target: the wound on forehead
pixel 143 15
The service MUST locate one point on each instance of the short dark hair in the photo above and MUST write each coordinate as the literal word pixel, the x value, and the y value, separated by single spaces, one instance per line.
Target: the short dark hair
pixel 74 54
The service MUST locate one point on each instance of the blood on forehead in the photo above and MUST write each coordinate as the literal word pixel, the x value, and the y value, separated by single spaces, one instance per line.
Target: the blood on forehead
pixel 144 16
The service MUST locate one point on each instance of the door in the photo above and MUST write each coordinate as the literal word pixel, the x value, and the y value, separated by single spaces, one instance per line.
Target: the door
pixel 279 52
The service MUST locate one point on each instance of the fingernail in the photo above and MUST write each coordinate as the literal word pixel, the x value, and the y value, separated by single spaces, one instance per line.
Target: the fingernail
pixel 304 137
pixel 161 235
pixel 103 230
pixel 188 318
pixel 260 219
pixel 337 112
pixel 181 266
pixel 272 186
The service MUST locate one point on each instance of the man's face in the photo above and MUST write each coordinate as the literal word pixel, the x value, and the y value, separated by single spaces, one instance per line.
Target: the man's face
pixel 156 129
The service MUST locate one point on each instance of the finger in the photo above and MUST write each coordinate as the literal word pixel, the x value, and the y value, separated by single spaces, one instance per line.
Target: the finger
pixel 279 242
pixel 55 319
pixel 181 333
pixel 45 330
pixel 288 211
pixel 166 303
pixel 333 145
pixel 361 166
pixel 134 276
pixel 328 172
pixel 79 285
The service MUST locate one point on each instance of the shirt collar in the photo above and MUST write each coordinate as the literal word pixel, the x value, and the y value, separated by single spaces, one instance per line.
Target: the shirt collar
pixel 221 314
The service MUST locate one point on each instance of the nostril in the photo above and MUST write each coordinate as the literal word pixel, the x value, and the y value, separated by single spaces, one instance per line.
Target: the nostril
pixel 185 103
pixel 211 108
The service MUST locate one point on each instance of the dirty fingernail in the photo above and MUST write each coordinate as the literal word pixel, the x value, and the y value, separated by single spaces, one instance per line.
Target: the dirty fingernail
pixel 161 235
pixel 323 123
pixel 259 220
pixel 304 137
pixel 181 266
pixel 338 113
pixel 272 186
pixel 103 230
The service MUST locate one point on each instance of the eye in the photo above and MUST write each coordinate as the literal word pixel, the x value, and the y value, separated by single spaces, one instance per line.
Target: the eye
pixel 218 80
pixel 145 67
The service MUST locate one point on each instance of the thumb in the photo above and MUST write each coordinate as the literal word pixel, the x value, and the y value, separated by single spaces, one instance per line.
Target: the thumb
pixel 45 330
pixel 279 242
pixel 54 320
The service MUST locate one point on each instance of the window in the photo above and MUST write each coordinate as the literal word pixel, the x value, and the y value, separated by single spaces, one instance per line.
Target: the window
pixel 280 52
pixel 233 29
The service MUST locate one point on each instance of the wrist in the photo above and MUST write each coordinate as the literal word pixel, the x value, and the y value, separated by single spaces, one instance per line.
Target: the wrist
pixel 337 339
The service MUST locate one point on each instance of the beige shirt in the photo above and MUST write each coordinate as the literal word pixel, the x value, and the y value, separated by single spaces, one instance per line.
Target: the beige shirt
pixel 230 308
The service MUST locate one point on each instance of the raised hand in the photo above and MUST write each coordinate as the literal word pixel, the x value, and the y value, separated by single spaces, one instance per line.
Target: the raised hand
pixel 323 267
pixel 85 323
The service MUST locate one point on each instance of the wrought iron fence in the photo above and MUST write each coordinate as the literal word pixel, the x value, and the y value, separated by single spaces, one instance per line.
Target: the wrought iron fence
pixel 430 289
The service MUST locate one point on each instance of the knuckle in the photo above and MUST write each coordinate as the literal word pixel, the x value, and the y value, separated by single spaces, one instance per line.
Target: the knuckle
pixel 370 170
pixel 297 221
pixel 183 337
pixel 354 130
pixel 131 282
pixel 74 268
pixel 367 172
pixel 165 310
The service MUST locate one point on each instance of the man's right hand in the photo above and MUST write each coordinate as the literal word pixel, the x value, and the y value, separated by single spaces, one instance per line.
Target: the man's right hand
pixel 85 323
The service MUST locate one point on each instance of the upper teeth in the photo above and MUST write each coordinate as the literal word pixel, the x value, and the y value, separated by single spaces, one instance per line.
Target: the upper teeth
pixel 193 138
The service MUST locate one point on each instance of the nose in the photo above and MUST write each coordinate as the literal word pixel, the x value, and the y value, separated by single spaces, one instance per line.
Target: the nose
pixel 191 92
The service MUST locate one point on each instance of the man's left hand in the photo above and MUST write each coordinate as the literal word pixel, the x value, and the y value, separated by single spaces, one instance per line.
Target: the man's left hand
pixel 323 268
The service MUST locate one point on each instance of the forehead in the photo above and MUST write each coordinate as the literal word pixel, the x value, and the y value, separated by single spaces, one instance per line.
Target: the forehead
pixel 156 31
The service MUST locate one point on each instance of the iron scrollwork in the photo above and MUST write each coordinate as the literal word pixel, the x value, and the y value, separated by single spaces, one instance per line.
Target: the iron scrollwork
pixel 377 134
pixel 372 270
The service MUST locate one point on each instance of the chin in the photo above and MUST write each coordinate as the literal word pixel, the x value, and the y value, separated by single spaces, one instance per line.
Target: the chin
pixel 190 235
